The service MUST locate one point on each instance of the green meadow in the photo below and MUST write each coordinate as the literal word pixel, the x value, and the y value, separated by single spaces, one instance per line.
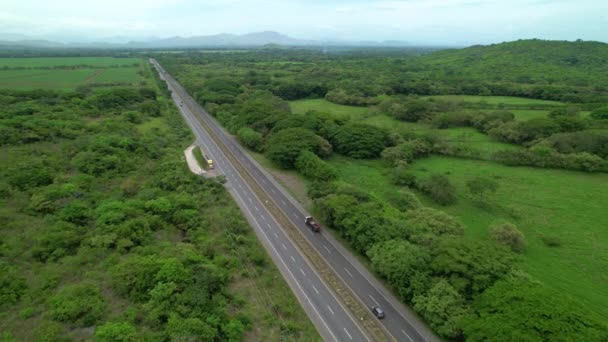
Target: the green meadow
pixel 68 73
pixel 561 206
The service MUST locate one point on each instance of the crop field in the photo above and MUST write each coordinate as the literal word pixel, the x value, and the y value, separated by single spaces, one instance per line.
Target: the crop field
pixel 49 73
pixel 38 62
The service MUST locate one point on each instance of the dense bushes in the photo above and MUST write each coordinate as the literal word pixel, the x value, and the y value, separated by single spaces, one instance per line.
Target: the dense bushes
pixel 80 303
pixel 250 138
pixel 358 140
pixel 310 165
pixel 439 188
pixel 548 158
pixel 285 146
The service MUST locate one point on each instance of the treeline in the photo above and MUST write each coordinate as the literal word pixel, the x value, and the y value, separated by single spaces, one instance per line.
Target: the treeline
pixel 464 288
pixel 564 139
pixel 561 71
pixel 106 235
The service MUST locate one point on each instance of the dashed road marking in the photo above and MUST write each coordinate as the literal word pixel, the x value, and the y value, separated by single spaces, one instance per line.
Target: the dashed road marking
pixel 406 335
pixel 302 271
pixel 314 288
pixel 284 247
pixel 256 208
pixel 327 249
pixel 283 202
pixel 375 301
pixel 292 258
pixel 276 236
pixel 347 271
pixel 346 331
pixel 330 310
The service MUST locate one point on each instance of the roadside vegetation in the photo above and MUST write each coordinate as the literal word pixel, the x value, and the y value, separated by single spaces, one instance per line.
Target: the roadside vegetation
pixel 107 236
pixel 425 186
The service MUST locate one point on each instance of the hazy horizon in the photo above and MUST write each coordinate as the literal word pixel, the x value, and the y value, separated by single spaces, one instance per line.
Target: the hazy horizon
pixel 429 22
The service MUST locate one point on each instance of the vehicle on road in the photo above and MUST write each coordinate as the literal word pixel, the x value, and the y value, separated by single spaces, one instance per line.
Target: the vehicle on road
pixel 378 312
pixel 310 221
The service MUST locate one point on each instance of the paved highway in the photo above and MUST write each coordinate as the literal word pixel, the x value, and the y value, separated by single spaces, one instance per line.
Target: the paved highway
pixel 333 320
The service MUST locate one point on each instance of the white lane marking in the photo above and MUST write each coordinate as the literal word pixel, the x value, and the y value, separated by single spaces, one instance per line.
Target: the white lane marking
pixel 295 215
pixel 375 301
pixel 250 201
pixel 327 249
pixel 292 276
pixel 262 217
pixel 256 208
pixel 347 271
pixel 302 271
pixel 284 247
pixel 273 191
pixel 406 335
pixel 240 186
pixel 314 288
pixel 283 202
pixel 269 227
pixel 330 310
pixel 276 236
pixel 346 331
pixel 292 258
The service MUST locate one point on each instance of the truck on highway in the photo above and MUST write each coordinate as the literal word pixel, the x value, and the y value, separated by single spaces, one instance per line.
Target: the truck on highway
pixel 314 225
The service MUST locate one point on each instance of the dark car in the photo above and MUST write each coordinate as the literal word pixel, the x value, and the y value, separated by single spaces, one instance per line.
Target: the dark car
pixel 378 312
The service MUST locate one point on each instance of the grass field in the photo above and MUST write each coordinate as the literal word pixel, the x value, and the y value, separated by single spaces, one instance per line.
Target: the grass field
pixel 543 203
pixel 322 105
pixel 461 135
pixel 495 100
pixel 99 71
pixel 66 61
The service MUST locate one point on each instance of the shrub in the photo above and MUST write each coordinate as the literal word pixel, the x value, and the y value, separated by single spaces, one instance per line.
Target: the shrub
pixel 439 188
pixel 358 140
pixel 250 138
pixel 80 303
pixel 401 176
pixel 551 241
pixel 404 200
pixel 285 146
pixel 600 113
pixel 480 186
pixel 443 308
pixel 310 165
pixel 508 235
pixel 115 332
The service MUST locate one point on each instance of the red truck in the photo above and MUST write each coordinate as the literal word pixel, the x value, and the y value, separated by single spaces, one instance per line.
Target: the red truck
pixel 316 227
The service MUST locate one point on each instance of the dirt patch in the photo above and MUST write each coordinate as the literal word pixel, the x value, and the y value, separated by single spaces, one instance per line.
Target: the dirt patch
pixel 93 75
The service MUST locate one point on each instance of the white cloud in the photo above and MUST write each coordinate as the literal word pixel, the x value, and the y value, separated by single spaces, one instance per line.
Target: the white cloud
pixel 434 21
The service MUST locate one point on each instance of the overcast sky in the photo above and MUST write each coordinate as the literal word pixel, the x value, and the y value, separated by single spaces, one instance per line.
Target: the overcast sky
pixel 419 21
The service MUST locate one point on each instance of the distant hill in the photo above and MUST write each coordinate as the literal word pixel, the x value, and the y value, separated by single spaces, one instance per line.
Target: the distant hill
pixel 528 61
pixel 255 39
pixel 532 68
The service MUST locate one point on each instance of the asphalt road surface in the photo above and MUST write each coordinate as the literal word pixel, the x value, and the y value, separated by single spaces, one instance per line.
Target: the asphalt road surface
pixel 332 319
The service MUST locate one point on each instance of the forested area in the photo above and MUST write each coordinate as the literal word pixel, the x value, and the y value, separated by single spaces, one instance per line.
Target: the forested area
pixel 463 287
pixel 107 236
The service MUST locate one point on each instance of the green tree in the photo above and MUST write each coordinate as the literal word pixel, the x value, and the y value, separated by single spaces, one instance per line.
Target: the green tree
pixel 310 165
pixel 480 186
pixel 508 235
pixel 518 309
pixel 443 308
pixel 600 113
pixel 78 303
pixel 115 332
pixel 439 188
pixel 358 140
pixel 285 146
pixel 250 138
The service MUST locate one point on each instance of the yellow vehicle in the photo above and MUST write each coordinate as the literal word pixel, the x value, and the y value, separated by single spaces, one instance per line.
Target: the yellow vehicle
pixel 210 164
